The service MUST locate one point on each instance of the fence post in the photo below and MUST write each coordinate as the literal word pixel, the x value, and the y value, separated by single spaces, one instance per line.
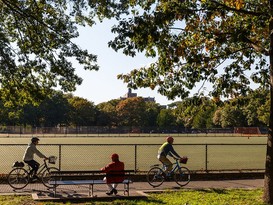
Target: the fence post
pixel 206 158
pixel 135 157
pixel 60 154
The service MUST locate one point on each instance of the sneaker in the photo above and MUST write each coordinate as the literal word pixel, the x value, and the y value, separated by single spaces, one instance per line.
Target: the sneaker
pixel 109 192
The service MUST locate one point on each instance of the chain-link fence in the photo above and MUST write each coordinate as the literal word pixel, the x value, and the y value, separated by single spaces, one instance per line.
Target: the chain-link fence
pixel 202 157
pixel 8 131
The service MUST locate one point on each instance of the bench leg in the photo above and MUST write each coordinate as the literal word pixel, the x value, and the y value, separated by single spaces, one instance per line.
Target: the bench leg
pixel 92 190
pixel 126 189
pixel 54 191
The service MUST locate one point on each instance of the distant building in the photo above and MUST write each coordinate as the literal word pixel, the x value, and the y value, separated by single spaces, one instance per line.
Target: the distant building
pixel 129 94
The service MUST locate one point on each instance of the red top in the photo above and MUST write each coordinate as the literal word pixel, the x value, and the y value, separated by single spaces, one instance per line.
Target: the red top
pixel 112 169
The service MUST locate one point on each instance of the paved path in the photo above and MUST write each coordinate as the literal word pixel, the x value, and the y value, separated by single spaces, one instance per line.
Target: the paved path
pixel 137 189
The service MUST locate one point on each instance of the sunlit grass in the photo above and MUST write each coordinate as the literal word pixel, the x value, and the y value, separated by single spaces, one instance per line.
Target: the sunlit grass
pixel 212 197
pixel 184 197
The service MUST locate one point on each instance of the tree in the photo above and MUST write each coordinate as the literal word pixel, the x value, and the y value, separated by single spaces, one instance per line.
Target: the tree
pixel 253 102
pixel 232 116
pixel 264 113
pixel 131 112
pixel 223 42
pixel 107 113
pixel 165 118
pixel 204 116
pixel 36 48
pixel 54 110
pixel 152 110
pixel 82 112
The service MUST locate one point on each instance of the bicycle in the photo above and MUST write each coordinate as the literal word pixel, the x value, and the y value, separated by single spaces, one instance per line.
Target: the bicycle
pixel 19 177
pixel 181 174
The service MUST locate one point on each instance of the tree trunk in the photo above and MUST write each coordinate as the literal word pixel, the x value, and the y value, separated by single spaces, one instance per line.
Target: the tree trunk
pixel 268 178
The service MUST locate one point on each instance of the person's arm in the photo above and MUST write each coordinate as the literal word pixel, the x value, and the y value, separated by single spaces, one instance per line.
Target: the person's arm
pixel 173 153
pixel 107 168
pixel 36 151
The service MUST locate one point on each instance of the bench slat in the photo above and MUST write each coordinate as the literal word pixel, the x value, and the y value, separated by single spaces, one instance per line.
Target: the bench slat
pixel 78 182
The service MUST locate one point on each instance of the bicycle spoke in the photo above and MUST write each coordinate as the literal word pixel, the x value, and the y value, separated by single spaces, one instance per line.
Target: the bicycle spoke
pixel 18 178
pixel 155 176
pixel 182 176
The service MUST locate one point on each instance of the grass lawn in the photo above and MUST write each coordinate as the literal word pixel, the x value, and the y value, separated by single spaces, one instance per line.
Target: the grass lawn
pixel 184 197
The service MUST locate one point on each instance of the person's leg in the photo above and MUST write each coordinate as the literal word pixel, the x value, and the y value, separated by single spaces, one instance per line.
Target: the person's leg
pixel 34 167
pixel 115 188
pixel 109 187
pixel 167 163
pixel 112 189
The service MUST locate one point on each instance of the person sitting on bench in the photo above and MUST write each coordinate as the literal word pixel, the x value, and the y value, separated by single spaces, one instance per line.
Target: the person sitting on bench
pixel 114 174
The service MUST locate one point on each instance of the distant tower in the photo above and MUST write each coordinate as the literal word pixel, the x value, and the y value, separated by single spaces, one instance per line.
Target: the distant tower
pixel 129 94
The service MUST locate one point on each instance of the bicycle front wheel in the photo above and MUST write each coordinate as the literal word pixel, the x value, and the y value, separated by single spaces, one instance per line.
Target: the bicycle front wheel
pixel 155 176
pixel 18 178
pixel 46 176
pixel 182 176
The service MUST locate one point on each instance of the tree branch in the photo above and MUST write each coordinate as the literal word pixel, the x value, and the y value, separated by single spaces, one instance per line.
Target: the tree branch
pixel 236 10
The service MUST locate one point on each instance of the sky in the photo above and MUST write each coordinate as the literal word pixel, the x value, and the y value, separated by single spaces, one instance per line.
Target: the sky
pixel 103 85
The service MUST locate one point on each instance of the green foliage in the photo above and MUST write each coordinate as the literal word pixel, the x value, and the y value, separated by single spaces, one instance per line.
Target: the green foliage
pixel 197 112
pixel 131 112
pixel 36 48
pixel 152 110
pixel 194 42
pixel 107 114
pixel 82 112
pixel 232 116
pixel 165 118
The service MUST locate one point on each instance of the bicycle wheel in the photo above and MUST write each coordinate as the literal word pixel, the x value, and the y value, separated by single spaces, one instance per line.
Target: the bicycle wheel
pixel 182 176
pixel 46 176
pixel 18 178
pixel 155 176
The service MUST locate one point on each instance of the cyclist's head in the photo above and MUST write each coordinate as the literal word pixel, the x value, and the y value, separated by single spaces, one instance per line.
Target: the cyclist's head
pixel 34 139
pixel 115 157
pixel 169 139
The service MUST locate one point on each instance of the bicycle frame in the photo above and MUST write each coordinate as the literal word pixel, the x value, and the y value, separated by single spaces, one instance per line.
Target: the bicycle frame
pixel 177 166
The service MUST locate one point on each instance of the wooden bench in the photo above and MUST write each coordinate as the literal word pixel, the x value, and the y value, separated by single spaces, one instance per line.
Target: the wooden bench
pixel 89 178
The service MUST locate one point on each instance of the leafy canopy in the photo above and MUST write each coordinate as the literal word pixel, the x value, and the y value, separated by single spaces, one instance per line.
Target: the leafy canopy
pixel 223 42
pixel 36 47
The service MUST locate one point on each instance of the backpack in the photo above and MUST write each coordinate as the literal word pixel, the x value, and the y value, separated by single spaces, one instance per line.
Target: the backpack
pixel 18 164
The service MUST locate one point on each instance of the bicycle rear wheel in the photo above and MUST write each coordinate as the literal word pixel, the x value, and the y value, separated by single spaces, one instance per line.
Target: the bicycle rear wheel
pixel 182 176
pixel 46 176
pixel 155 176
pixel 18 178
